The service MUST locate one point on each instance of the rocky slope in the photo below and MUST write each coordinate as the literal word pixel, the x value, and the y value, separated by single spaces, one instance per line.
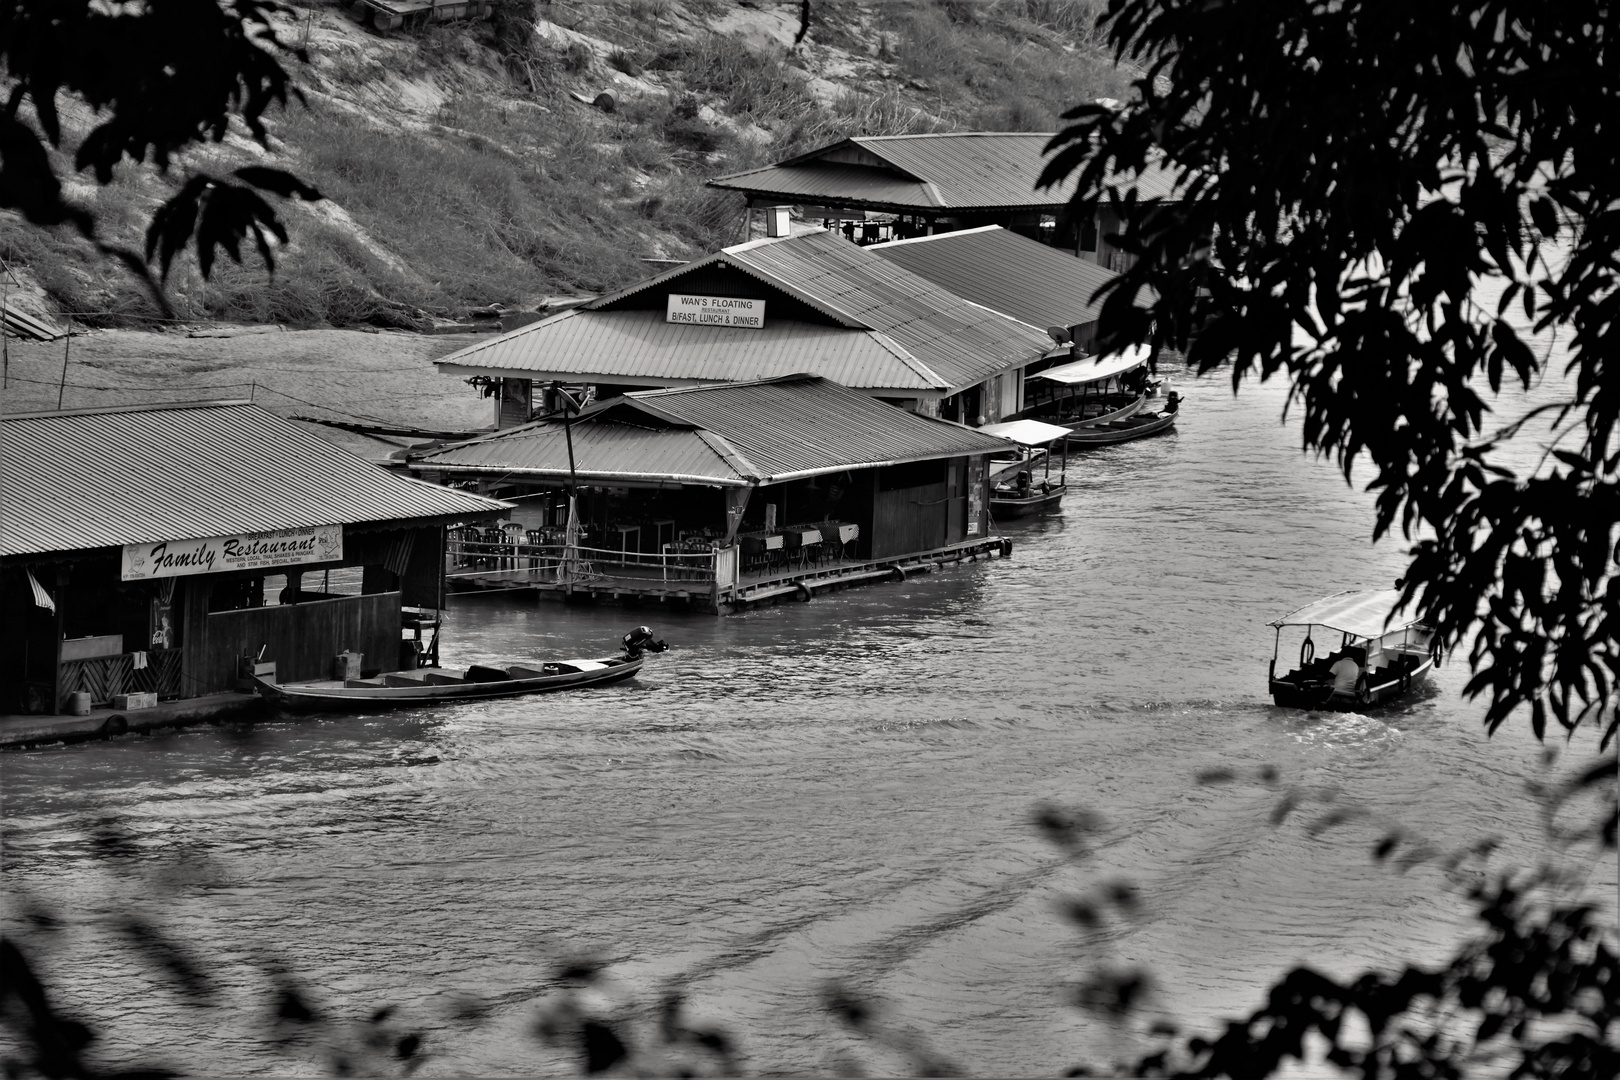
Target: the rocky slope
pixel 467 171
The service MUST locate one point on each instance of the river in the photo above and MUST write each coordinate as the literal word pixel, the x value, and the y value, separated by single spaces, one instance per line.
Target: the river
pixel 835 790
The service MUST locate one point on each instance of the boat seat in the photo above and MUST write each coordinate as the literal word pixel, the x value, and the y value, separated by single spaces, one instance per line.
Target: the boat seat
pixel 392 679
pixel 518 671
pixel 357 684
pixel 434 678
pixel 480 673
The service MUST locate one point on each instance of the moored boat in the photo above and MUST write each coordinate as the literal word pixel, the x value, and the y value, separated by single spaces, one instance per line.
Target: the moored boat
pixel 1022 495
pixel 1378 657
pixel 1103 399
pixel 435 685
pixel 1123 429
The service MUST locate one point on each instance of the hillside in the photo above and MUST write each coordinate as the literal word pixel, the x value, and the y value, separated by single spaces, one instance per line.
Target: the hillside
pixel 465 167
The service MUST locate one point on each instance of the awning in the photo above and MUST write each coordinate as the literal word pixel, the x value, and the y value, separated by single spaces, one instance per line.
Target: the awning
pixel 1095 369
pixel 1027 432
pixel 1363 614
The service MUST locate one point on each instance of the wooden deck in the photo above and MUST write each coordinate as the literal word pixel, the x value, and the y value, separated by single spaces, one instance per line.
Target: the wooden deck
pixel 696 589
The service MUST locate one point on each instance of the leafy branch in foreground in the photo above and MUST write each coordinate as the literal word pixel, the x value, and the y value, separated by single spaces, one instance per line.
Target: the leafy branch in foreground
pixel 1353 176
pixel 160 77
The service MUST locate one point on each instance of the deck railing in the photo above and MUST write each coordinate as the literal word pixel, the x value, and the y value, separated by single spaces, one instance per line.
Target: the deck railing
pixel 481 558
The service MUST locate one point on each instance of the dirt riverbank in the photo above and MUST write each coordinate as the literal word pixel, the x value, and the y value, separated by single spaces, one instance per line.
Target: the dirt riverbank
pixel 347 376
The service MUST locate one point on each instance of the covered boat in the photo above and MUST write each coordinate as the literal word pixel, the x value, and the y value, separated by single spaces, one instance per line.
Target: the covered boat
pixel 1016 493
pixel 1103 399
pixel 1376 657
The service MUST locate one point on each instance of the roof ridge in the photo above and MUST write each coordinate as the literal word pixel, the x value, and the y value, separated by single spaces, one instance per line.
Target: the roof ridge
pixel 901 353
pixel 163 406
pixel 937 236
pixel 666 391
pixel 515 332
pixel 645 284
pixel 864 139
pixel 729 453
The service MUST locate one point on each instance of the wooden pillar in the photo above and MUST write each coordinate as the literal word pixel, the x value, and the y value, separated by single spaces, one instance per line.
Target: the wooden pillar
pixel 62 573
pixel 194 636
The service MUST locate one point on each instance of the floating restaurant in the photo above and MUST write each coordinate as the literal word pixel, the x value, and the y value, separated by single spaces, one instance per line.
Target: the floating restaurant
pixel 810 304
pixel 144 552
pixel 714 497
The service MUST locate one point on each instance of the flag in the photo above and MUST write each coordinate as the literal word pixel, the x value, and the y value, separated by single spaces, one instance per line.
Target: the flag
pixel 41 597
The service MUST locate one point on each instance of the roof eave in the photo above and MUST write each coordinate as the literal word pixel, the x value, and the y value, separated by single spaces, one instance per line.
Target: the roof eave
pixel 589 476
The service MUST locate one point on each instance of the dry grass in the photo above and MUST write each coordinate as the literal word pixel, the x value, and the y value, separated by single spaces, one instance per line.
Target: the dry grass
pixel 508 199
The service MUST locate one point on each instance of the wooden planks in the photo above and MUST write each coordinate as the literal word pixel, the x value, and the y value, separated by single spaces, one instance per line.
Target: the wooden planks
pixel 300 638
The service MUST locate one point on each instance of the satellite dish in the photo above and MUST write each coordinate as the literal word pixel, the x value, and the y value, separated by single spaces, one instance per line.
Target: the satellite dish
pixel 1058 334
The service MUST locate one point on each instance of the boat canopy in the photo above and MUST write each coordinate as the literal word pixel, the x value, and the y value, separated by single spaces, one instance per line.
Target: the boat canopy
pixel 1096 368
pixel 1365 614
pixel 1026 432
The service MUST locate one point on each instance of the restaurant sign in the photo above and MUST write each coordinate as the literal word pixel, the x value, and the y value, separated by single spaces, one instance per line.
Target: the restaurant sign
pixel 715 311
pixel 243 551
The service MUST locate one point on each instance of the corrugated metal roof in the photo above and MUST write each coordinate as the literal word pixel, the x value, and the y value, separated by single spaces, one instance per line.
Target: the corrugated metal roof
pixel 952 171
pixel 731 433
pixel 605 452
pixel 109 477
pixel 959 340
pixel 1036 284
pixel 639 346
pixel 927 338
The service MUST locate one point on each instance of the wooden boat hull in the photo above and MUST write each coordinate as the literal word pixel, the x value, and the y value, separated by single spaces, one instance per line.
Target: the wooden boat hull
pixel 1306 689
pixel 1106 433
pixel 1003 507
pixel 433 686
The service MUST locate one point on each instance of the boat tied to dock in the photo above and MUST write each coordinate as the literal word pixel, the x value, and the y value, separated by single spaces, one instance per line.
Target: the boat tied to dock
pixel 435 685
pixel 1104 400
pixel 1014 492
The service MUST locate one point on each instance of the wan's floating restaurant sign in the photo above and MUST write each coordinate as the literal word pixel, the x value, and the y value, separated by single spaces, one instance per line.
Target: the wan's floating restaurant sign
pixel 243 551
pixel 715 311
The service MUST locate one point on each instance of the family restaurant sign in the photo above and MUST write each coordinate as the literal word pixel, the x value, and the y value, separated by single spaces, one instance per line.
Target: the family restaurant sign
pixel 715 311
pixel 244 551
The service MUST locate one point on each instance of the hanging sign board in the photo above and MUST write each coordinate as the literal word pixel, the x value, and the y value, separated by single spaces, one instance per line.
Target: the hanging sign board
pixel 715 311
pixel 243 551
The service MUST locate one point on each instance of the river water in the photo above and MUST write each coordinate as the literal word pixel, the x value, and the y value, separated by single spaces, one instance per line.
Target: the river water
pixel 835 790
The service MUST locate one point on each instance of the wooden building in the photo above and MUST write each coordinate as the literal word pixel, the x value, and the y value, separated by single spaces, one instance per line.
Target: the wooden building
pixel 147 550
pixel 937 183
pixel 724 494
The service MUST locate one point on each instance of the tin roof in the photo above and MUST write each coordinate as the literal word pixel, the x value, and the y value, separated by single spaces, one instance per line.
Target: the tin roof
pixel 943 173
pixel 726 434
pixel 961 342
pixel 897 331
pixel 73 481
pixel 639 347
pixel 1029 281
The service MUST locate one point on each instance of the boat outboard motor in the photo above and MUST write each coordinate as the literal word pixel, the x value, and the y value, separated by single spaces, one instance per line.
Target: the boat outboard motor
pixel 641 640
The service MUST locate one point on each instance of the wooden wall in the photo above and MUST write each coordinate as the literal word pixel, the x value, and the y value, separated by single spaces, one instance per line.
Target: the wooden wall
pixel 301 638
pixel 909 519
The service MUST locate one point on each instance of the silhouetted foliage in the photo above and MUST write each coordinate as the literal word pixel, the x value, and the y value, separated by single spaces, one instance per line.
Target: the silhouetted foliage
pixel 1349 173
pixel 159 77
